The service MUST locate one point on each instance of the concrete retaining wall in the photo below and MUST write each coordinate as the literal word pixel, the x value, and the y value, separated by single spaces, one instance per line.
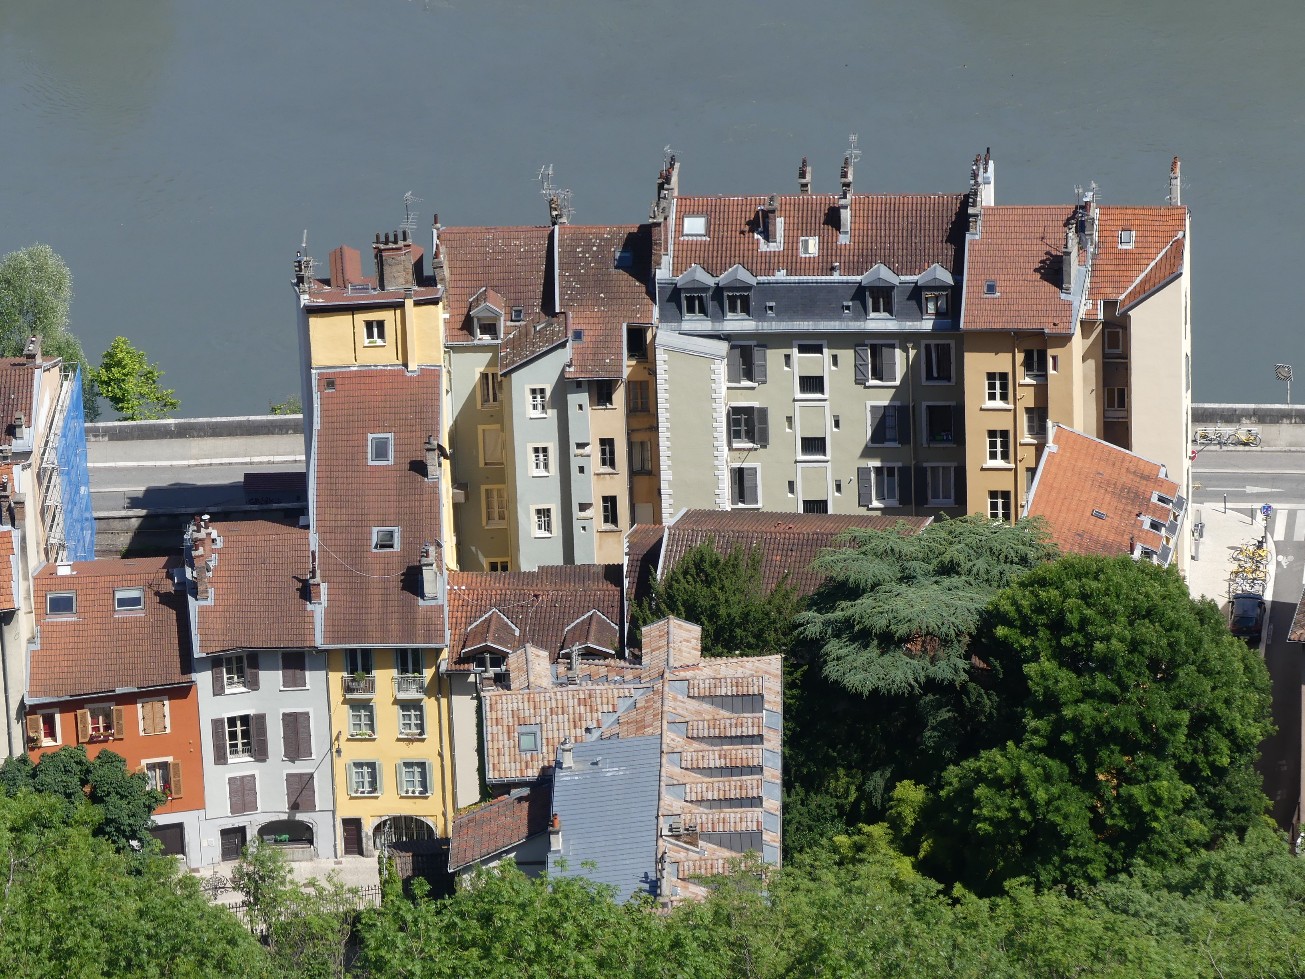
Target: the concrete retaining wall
pixel 236 426
pixel 1281 426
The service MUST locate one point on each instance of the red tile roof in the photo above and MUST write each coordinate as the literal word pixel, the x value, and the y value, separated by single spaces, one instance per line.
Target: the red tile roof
pixel 491 828
pixel 1079 477
pixel 259 588
pixel 17 385
pixel 907 233
pixel 346 285
pixel 510 261
pixel 604 283
pixel 1115 269
pixel 9 570
pixel 595 630
pixel 1020 249
pixel 1167 266
pixel 372 598
pixel 98 649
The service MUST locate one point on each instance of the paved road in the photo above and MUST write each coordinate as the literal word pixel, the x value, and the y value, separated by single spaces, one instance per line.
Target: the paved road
pixel 191 486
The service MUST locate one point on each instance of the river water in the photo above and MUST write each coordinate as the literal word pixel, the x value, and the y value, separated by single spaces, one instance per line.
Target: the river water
pixel 175 151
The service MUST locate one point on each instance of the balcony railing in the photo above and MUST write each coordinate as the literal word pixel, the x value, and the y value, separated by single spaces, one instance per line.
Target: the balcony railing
pixel 360 686
pixel 814 445
pixel 811 384
pixel 411 685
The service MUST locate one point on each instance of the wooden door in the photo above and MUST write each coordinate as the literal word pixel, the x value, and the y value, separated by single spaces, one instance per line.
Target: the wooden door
pixel 353 839
pixel 233 843
pixel 173 838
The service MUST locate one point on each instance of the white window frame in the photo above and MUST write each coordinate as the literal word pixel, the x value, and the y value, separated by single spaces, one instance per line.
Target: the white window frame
pixel 417 732
pixel 802 363
pixel 373 333
pixel 235 680
pixel 106 710
pixel 747 366
pixel 939 300
pixel 898 410
pixel 145 764
pixel 1117 332
pixel 694 226
pixel 1032 434
pixel 357 765
pixel 606 524
pixel 61 594
pixel 996 503
pixel 609 466
pixel 234 755
pixel 383 440
pixel 58 732
pixel 407 766
pixel 498 565
pixel 381 534
pixel 997 440
pixel 493 516
pixel 167 715
pixel 641 456
pixel 745 506
pixel 871 380
pixel 1116 400
pixel 729 427
pixel 538 401
pixel 924 422
pixel 361 722
pixel 481 431
pixel 489 328
pixel 134 596
pixel 635 406
pixel 994 383
pixel 927 352
pixel 1034 376
pixel 940 467
pixel 537 452
pixel 536 523
pixel 489 389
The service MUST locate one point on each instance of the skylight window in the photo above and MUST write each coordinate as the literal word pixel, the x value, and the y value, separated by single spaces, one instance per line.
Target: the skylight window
pixel 385 538
pixel 61 603
pixel 695 226
pixel 990 287
pixel 809 247
pixel 1098 514
pixel 128 599
pixel 1126 238
pixel 380 449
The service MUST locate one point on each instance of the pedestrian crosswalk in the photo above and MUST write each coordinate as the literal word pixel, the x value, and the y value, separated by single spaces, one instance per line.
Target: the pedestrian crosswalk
pixel 1287 525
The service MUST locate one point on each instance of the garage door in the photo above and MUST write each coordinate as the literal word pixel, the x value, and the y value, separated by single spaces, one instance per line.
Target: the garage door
pixel 173 839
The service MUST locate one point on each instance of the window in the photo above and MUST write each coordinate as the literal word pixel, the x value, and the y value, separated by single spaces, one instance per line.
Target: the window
pixel 498 565
pixel 409 662
pixel 518 314
pixel 296 735
pixel 815 506
pixel 538 402
pixel 1035 423
pixel 937 363
pixel 47 727
pixel 935 304
pixel 385 538
pixel 528 738
pixel 744 489
pixel 489 387
pixel 695 225
pixel 373 333
pixel 364 778
pixel 414 778
pixel 639 400
pixel 604 394
pixel 999 505
pixel 1030 474
pixel 100 721
pixel 611 513
pixel 242 792
pixel 158 776
pixel 888 424
pixel 641 456
pixel 235 675
pixel 811 385
pixel 380 450
pixel 1126 237
pixel 749 426
pixel 362 721
pixel 491 445
pixel 876 363
pixel 1035 365
pixel 493 504
pixel 738 304
pixel 942 485
pixel 1116 400
pixel 541 460
pixel 61 603
pixel 999 446
pixel 412 720
pixel 808 247
pixel 543 521
pixel 881 300
pixel 487 329
pixel 940 424
pixel 813 446
pixel 636 342
pixel 998 387
pixel 153 717
pixel 607 453
pixel 990 287
pixel 695 304
pixel 129 599
pixel 1114 342
pixel 240 737
pixel 745 364
pixel 358 662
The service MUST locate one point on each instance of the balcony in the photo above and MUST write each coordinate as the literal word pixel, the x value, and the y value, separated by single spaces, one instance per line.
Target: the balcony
pixel 410 686
pixel 360 686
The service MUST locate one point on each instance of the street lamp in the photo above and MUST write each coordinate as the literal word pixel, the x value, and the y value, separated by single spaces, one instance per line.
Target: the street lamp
pixel 1283 373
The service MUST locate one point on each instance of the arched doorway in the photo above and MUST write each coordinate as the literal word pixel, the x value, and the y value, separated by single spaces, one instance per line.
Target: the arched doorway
pixel 402 832
pixel 292 837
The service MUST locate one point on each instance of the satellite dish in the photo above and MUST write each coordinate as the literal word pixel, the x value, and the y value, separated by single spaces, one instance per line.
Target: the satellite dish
pixel 1282 371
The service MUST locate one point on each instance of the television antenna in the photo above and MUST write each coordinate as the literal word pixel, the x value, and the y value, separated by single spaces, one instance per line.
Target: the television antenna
pixel 409 213
pixel 853 154
pixel 554 194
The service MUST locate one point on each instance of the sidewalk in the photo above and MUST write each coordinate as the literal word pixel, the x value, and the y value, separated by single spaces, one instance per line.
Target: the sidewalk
pixel 1212 556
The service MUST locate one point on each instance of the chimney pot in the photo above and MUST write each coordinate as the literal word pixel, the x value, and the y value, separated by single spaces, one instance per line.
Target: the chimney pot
pixel 555 834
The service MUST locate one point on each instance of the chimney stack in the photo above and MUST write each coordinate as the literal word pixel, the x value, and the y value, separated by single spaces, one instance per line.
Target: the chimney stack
pixel 770 222
pixel 1175 183
pixel 4 501
pixel 1069 261
pixel 974 201
pixel 393 262
pixel 430 574
pixel 432 448
pixel 555 834
pixel 845 202
pixel 668 187
pixel 20 509
pixel 804 177
pixel 20 427
pixel 988 178
pixel 32 352
pixel 566 754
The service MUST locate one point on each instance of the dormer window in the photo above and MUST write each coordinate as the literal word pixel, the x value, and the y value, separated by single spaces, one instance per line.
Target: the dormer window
pixel 881 300
pixel 61 603
pixel 487 329
pixel 373 333
pixel 695 304
pixel 738 304
pixel 129 599
pixel 935 304
pixel 385 538
pixel 695 226
pixel 380 449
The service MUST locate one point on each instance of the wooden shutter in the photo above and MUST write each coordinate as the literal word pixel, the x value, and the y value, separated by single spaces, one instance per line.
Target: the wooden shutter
pixel 174 778
pixel 293 668
pixel 921 485
pixel 219 677
pixel 305 735
pixel 862 358
pixel 251 670
pixel 235 795
pixel 300 792
pixel 750 496
pixel 759 364
pixel 734 366
pixel 903 425
pixel 147 714
pixel 119 723
pixel 958 482
pixel 219 741
pixel 34 730
pixel 888 353
pixel 865 485
pixel 259 731
pixel 735 475
pixel 290 737
pixel 905 485
pixel 251 793
pixel 83 726
pixel 762 426
pixel 878 429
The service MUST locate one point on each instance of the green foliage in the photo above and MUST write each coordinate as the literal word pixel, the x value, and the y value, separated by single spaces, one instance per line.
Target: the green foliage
pixel 897 609
pixel 290 406
pixel 1133 721
pixel 129 382
pixel 727 596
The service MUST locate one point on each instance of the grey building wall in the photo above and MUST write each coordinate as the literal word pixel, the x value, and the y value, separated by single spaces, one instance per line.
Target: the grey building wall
pixel 691 424
pixel 272 699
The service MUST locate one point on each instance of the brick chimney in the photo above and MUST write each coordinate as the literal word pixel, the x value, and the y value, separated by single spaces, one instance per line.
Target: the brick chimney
pixel 32 352
pixel 394 264
pixel 20 427
pixel 770 220
pixel 430 574
pixel 433 452
pixel 20 509
pixel 804 177
pixel 668 188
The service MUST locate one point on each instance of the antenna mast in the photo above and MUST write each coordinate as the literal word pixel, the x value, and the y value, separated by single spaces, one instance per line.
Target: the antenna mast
pixel 410 213
pixel 559 200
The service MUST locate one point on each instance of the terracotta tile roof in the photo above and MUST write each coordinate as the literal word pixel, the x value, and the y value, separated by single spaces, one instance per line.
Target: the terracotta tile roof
pixel 510 261
pixel 259 589
pixel 604 283
pixel 97 649
pixel 372 597
pixel 346 285
pixel 493 629
pixel 789 542
pixel 1115 269
pixel 1166 267
pixel 542 604
pixel 1080 477
pixel 643 549
pixel 493 827
pixel 594 630
pixel 528 342
pixel 1020 249
pixel 17 385
pixel 9 571
pixel 907 233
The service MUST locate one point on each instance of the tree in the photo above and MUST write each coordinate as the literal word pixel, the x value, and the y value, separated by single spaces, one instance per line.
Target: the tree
pixel 129 382
pixel 897 609
pixel 1132 721
pixel 726 594
pixel 290 406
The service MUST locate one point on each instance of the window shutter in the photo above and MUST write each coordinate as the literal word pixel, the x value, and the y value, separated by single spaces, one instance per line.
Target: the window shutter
pixel 236 795
pixel 734 366
pixel 878 430
pixel 750 495
pixel 763 426
pixel 219 741
pixel 119 723
pixel 174 778
pixel 259 727
pixel 34 728
pixel 293 668
pixel 889 354
pixel 862 354
pixel 905 485
pixel 251 793
pixel 735 476
pixel 83 726
pixel 219 677
pixel 398 777
pixel 251 670
pixel 290 736
pixel 864 485
pixel 903 425
pixel 380 779
pixel 921 486
pixel 759 364
pixel 300 792
pixel 148 723
pixel 959 487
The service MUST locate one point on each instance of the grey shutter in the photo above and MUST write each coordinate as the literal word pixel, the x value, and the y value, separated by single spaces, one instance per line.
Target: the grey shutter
pixel 903 425
pixel 862 356
pixel 750 496
pixel 293 668
pixel 219 741
pixel 888 353
pixel 300 792
pixel 904 485
pixel 290 736
pixel 380 779
pixel 735 472
pixel 236 794
pixel 958 476
pixel 878 432
pixel 734 365
pixel 921 486
pixel 398 777
pixel 864 485
pixel 762 437
pixel 219 677
pixel 251 670
pixel 251 793
pixel 305 735
pixel 259 727
pixel 759 364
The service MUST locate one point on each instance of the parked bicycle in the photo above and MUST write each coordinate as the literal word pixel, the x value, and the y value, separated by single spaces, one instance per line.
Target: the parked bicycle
pixel 1227 436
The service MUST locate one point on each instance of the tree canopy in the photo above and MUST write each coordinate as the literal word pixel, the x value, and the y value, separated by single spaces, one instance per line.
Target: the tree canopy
pixel 129 382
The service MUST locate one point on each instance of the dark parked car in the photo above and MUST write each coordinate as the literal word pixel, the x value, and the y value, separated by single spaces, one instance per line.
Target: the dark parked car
pixel 1246 620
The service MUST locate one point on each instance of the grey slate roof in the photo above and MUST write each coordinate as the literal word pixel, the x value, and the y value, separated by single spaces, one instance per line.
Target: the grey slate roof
pixel 608 804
